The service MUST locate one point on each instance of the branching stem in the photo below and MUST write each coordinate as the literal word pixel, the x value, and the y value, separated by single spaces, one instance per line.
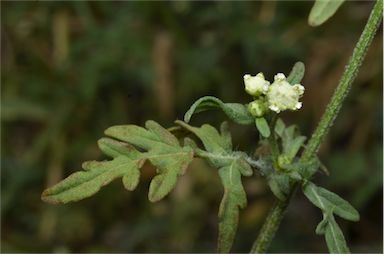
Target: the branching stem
pixel 277 211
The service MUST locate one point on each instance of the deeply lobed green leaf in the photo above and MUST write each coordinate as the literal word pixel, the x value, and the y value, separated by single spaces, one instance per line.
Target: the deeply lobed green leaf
pixel 83 184
pixel 231 167
pixel 330 202
pixel 162 150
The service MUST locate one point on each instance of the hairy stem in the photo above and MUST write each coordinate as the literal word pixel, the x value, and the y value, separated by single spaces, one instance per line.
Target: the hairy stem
pixel 346 80
pixel 269 228
pixel 277 211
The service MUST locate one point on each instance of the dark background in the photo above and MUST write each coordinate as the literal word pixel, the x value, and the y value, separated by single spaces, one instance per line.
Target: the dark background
pixel 72 69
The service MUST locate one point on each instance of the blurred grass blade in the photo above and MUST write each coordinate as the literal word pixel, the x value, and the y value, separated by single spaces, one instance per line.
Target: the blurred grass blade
pixel 322 10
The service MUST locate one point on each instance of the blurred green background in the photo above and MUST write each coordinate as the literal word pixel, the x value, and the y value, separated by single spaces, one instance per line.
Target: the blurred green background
pixel 72 69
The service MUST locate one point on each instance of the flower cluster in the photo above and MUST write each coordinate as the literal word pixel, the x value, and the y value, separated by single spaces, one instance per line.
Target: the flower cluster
pixel 278 96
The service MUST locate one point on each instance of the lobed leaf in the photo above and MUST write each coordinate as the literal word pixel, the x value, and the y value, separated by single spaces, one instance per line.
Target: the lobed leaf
pixel 80 185
pixel 231 167
pixel 235 111
pixel 162 150
pixel 322 10
pixel 330 202
pixel 334 237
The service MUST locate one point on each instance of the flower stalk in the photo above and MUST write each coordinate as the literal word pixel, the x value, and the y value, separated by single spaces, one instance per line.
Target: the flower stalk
pixel 276 214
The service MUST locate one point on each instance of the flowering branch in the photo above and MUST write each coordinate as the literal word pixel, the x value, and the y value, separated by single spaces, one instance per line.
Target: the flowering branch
pixel 277 212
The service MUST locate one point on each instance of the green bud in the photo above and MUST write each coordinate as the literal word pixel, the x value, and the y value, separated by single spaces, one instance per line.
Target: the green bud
pixel 257 108
pixel 283 161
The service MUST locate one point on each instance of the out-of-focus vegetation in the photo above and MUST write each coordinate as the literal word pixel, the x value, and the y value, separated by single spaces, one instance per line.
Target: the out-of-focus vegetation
pixel 72 69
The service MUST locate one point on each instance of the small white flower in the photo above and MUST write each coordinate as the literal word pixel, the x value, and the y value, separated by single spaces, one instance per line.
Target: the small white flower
pixel 256 85
pixel 282 95
pixel 257 108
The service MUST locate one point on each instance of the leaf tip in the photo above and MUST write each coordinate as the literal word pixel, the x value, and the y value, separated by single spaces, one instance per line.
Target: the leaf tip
pixel 187 117
pixel 46 197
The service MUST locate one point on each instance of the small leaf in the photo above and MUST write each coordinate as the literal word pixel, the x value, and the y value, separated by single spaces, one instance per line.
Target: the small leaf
pixel 231 166
pixel 321 227
pixel 334 237
pixel 263 127
pixel 235 111
pixel 291 142
pixel 305 169
pixel 279 183
pixel 322 10
pixel 279 127
pixel 296 74
pixel 330 202
pixel 292 148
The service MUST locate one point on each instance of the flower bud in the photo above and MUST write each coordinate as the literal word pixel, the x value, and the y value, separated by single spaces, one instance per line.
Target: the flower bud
pixel 256 85
pixel 257 108
pixel 283 161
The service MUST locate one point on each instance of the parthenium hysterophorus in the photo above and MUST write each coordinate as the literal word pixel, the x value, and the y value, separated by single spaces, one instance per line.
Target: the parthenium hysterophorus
pixel 284 169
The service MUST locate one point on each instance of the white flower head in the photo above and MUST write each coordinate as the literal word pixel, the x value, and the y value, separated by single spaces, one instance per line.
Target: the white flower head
pixel 256 85
pixel 282 95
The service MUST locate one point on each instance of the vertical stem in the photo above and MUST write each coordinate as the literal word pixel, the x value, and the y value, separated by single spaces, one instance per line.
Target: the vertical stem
pixel 277 211
pixel 346 80
pixel 270 226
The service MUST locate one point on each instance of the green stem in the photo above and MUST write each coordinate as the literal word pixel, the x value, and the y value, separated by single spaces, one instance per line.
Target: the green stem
pixel 345 83
pixel 277 211
pixel 270 226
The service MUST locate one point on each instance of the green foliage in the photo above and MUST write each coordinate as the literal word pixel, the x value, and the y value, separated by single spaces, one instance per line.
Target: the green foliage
pixel 80 185
pixel 163 151
pixel 280 184
pixel 49 124
pixel 291 141
pixel 334 237
pixel 297 73
pixel 322 10
pixel 330 204
pixel 231 166
pixel 263 127
pixel 235 111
